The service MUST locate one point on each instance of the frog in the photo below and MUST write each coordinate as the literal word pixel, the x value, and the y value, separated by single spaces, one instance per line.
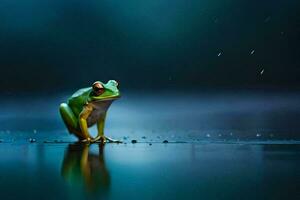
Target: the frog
pixel 87 107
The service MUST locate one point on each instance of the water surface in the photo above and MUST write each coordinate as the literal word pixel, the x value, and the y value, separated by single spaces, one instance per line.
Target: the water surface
pixel 234 145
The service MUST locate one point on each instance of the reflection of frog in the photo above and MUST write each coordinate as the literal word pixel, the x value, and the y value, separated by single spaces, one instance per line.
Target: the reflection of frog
pixel 80 166
pixel 87 107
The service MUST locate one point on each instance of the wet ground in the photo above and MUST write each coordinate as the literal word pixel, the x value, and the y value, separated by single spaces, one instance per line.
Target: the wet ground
pixel 221 145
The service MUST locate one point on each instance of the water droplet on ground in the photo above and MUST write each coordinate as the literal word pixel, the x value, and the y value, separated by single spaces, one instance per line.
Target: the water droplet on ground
pixel 32 140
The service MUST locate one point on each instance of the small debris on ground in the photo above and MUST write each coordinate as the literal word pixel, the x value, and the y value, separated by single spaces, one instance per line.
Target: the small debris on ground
pixel 150 144
pixel 165 141
pixel 133 141
pixel 144 137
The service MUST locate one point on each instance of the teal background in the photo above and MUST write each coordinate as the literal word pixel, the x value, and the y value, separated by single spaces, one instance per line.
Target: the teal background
pixel 151 44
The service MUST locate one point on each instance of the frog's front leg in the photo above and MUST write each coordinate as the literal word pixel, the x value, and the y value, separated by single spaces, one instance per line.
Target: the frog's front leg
pixel 83 123
pixel 100 127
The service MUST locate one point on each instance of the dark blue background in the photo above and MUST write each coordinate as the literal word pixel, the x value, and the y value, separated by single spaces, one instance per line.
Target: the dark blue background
pixel 54 44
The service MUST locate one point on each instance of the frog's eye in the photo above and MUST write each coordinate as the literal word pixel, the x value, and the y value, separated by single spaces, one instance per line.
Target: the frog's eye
pixel 98 88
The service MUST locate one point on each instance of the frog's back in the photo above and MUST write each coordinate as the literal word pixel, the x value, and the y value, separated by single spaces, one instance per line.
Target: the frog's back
pixel 79 99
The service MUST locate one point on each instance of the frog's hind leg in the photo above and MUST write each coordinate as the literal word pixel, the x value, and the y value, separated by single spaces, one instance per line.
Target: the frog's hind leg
pixel 69 119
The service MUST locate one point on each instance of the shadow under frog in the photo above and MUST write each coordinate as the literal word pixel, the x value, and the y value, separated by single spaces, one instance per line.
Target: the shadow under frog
pixel 81 167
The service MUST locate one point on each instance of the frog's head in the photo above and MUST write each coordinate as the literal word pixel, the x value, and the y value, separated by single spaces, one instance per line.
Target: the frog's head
pixel 105 92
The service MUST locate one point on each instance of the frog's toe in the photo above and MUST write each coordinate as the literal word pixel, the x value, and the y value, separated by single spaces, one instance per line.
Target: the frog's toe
pixel 112 140
pixel 100 139
pixel 87 140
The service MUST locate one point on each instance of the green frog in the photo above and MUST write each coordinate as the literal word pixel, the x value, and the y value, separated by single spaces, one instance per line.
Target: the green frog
pixel 88 106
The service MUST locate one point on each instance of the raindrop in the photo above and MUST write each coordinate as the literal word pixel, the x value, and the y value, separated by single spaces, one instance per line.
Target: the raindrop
pixel 252 52
pixel 267 19
pixel 258 135
pixel 262 71
pixel 219 54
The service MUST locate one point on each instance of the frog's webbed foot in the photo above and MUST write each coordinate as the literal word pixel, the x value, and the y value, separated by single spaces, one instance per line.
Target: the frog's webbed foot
pixel 99 138
pixel 86 140
pixel 104 139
